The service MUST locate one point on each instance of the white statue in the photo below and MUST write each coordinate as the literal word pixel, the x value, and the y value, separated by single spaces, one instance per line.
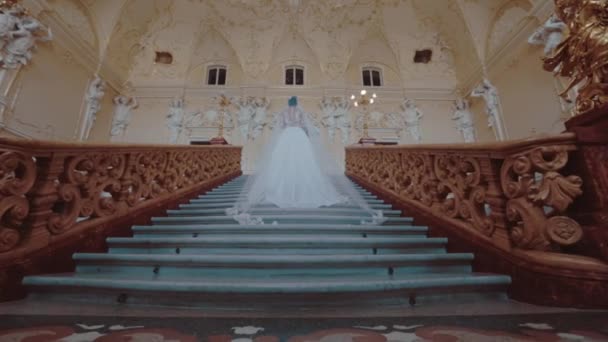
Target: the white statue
pixel 328 109
pixel 550 34
pixel 21 41
pixel 412 117
pixel 490 95
pixel 9 18
pixel 95 93
pixel 258 122
pixel 246 112
pixel 175 119
pixel 335 116
pixel 464 120
pixel 123 107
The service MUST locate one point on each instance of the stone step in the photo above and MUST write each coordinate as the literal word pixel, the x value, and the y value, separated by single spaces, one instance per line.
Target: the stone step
pixel 232 293
pixel 283 229
pixel 236 196
pixel 239 191
pixel 195 204
pixel 284 245
pixel 187 210
pixel 283 219
pixel 233 200
pixel 158 266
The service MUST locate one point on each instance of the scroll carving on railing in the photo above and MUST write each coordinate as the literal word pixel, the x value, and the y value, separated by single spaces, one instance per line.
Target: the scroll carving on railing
pixel 447 184
pixel 519 189
pixel 538 194
pixel 62 187
pixel 17 176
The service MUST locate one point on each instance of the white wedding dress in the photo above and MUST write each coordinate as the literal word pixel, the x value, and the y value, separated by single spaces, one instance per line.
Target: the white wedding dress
pixel 294 172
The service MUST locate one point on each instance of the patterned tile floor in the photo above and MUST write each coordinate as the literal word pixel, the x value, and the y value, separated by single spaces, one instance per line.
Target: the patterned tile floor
pixel 538 327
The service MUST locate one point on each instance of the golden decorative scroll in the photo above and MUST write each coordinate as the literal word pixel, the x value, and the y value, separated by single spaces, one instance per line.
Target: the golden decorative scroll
pixel 583 55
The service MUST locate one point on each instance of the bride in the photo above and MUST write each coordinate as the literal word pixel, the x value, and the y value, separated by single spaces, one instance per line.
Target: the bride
pixel 295 172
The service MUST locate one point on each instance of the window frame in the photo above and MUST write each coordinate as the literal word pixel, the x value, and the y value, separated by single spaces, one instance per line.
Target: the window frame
pixel 371 69
pixel 294 67
pixel 217 67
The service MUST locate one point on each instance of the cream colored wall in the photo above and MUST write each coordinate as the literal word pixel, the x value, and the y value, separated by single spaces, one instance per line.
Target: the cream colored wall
pixel 48 96
pixel 529 97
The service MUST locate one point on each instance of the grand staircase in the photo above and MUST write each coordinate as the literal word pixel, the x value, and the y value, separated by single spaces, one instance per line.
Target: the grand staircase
pixel 199 257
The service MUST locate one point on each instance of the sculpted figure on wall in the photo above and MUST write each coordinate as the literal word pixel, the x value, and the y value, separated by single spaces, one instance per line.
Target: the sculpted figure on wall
pixel 258 122
pixel 336 116
pixel 464 120
pixel 123 107
pixel 490 95
pixel 550 34
pixel 175 119
pixel 95 93
pixel 19 34
pixel 412 117
pixel 245 114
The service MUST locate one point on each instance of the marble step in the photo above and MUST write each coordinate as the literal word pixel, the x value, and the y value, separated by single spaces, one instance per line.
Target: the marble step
pixel 284 245
pixel 195 204
pixel 243 292
pixel 283 219
pixel 188 210
pixel 283 229
pixel 236 196
pixel 233 200
pixel 239 190
pixel 159 266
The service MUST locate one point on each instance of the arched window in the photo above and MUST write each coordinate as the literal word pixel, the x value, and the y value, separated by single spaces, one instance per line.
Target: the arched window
pixel 216 75
pixel 372 77
pixel 294 75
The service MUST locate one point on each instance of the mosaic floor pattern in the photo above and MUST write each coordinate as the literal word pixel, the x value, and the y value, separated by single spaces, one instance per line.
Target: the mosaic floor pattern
pixel 551 327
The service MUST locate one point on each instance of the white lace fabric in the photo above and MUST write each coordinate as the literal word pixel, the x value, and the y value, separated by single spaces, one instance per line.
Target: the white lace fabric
pixel 295 171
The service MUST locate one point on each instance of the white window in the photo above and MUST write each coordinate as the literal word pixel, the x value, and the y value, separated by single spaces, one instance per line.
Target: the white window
pixel 372 77
pixel 216 75
pixel 294 75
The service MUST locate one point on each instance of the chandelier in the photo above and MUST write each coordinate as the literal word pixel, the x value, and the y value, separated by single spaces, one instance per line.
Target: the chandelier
pixel 364 100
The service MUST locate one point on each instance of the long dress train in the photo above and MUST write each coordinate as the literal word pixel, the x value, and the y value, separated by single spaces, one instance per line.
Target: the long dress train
pixel 295 172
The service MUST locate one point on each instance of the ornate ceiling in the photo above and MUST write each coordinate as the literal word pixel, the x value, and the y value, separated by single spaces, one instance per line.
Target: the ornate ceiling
pixel 327 35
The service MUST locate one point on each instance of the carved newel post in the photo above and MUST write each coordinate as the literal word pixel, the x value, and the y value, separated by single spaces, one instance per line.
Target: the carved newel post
pixel 583 58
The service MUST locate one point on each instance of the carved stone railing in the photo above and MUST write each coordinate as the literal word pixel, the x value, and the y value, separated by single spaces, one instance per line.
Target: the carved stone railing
pixel 507 202
pixel 52 191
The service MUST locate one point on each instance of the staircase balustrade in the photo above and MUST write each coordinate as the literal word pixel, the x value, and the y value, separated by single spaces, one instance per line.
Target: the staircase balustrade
pixel 509 199
pixel 513 193
pixel 52 192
